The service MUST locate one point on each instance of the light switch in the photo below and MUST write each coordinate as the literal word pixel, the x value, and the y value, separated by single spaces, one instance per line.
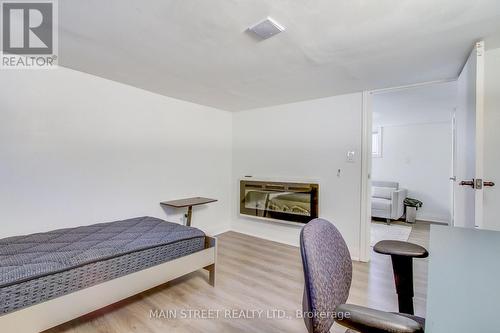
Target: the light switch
pixel 351 156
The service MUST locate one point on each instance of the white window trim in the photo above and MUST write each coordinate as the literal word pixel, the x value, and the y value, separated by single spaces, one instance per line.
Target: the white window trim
pixel 378 131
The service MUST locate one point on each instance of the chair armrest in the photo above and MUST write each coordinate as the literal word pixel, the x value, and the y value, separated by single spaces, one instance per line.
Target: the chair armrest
pixel 401 249
pixel 366 320
pixel 397 203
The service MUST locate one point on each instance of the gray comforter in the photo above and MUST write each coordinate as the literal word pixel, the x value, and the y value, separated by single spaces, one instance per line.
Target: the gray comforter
pixel 23 258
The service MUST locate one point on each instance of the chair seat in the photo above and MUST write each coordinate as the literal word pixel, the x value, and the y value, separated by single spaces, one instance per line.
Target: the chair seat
pixel 381 204
pixel 419 320
pixel 398 248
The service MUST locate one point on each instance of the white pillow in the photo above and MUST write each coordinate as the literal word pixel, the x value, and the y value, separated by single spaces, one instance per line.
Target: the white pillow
pixel 382 192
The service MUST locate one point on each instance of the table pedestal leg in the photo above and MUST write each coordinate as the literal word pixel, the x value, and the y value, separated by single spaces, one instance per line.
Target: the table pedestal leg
pixel 189 215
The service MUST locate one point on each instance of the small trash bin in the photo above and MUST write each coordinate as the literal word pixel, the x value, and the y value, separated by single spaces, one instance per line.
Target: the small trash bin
pixel 411 207
pixel 411 214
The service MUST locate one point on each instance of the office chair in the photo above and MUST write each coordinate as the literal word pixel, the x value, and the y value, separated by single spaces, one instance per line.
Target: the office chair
pixel 328 274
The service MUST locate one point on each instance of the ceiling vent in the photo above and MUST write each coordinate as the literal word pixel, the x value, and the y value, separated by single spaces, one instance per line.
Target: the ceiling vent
pixel 266 28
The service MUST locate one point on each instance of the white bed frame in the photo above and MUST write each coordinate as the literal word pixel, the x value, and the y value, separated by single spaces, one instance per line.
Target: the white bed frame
pixel 59 310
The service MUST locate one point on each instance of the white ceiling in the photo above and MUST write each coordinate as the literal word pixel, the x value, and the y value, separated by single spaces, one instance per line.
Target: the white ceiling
pixel 198 50
pixel 423 104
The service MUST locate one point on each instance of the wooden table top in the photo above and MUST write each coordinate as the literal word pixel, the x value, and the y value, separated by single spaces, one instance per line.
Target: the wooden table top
pixel 195 201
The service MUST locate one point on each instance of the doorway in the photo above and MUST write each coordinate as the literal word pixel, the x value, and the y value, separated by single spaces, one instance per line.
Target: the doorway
pixel 471 191
pixel 410 161
pixel 412 158
pixel 473 206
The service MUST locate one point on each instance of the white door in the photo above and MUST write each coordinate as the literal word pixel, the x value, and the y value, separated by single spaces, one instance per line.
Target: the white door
pixel 492 137
pixel 469 151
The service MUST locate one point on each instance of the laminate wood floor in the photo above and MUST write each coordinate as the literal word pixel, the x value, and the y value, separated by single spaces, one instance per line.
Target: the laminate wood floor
pixel 252 274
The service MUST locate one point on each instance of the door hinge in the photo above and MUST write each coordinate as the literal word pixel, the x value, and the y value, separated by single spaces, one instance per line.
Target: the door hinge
pixel 479 49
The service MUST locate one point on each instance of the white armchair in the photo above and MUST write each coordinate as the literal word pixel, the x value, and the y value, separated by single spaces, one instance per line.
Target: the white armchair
pixel 387 200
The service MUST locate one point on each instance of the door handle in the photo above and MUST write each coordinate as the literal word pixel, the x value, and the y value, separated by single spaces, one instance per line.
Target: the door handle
pixel 467 183
pixel 476 183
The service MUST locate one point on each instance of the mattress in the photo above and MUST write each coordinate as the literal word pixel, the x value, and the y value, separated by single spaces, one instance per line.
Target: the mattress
pixel 39 267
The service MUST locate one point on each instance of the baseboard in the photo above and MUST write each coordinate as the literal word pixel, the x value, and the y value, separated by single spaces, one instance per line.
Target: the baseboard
pixel 276 241
pixel 431 221
pixel 218 231
pixel 294 244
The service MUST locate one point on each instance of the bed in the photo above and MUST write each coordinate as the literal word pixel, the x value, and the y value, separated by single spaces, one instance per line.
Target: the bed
pixel 49 278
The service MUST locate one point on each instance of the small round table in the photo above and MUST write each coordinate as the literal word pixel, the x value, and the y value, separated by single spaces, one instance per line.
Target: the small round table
pixel 402 254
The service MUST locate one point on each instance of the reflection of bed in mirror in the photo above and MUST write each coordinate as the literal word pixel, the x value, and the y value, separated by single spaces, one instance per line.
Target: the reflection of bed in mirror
pixel 286 202
pixel 296 202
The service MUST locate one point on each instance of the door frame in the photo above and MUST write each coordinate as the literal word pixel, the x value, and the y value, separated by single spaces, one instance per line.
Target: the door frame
pixel 479 194
pixel 366 161
pixel 453 178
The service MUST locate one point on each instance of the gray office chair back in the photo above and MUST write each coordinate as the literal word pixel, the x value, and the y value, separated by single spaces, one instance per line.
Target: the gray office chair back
pixel 327 272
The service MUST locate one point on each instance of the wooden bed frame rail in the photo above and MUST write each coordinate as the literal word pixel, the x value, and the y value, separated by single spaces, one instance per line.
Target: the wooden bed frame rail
pixel 54 312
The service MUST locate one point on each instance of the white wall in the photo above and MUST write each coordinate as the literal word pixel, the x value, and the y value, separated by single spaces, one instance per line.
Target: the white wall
pixel 76 149
pixel 305 140
pixel 418 156
pixel 428 103
pixel 492 137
